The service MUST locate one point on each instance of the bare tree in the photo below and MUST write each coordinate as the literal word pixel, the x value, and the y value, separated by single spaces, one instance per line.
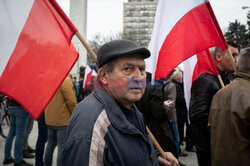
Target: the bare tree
pixel 138 35
pixel 99 40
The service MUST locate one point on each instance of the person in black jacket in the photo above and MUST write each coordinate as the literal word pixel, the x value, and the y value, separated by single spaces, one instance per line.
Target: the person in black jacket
pixel 156 116
pixel 203 89
pixel 106 128
pixel 81 90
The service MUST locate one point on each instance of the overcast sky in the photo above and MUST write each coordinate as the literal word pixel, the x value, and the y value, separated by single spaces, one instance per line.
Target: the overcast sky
pixel 106 16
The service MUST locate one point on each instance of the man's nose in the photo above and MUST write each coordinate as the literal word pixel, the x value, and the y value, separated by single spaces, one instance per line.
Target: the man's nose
pixel 138 74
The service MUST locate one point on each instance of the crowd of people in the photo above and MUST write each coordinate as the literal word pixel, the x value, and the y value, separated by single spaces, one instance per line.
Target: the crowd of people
pixel 109 124
pixel 52 126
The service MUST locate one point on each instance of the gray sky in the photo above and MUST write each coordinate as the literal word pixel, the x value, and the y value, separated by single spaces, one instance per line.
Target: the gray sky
pixel 106 16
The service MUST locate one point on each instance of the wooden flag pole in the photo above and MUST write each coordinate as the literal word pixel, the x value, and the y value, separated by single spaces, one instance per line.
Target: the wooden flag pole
pixel 158 147
pixel 220 80
pixel 85 44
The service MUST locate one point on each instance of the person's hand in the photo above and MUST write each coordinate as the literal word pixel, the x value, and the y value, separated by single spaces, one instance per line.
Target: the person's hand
pixel 169 103
pixel 169 161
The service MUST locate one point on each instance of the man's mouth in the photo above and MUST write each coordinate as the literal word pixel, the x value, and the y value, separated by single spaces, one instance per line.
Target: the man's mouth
pixel 136 88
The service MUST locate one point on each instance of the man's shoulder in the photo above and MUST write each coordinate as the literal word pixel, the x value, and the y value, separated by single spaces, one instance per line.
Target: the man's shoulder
pixel 206 77
pixel 90 106
pixel 83 118
pixel 169 84
pixel 237 91
pixel 206 80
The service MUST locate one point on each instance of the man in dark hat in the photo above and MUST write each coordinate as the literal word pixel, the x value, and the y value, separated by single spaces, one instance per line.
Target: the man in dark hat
pixel 106 128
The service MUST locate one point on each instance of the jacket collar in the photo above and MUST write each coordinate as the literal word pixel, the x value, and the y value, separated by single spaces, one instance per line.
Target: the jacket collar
pixel 242 75
pixel 223 77
pixel 114 112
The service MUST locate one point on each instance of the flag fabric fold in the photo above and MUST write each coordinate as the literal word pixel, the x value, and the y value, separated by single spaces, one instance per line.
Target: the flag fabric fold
pixel 181 30
pixel 37 53
pixel 193 67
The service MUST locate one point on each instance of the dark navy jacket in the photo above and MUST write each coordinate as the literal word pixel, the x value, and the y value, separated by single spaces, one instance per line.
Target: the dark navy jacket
pixel 99 134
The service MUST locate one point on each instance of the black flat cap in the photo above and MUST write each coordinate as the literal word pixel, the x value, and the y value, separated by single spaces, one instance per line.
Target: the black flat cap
pixel 118 48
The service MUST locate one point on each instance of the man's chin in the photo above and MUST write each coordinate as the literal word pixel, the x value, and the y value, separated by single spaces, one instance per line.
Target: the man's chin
pixel 135 98
pixel 135 94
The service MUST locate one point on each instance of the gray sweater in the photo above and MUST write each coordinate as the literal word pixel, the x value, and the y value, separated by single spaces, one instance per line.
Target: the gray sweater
pixel 170 94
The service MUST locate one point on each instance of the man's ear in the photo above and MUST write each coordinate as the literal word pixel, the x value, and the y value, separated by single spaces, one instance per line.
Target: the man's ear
pixel 218 57
pixel 103 76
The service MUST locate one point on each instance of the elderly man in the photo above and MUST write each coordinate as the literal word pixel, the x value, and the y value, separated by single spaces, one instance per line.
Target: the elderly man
pixel 203 89
pixel 230 118
pixel 106 128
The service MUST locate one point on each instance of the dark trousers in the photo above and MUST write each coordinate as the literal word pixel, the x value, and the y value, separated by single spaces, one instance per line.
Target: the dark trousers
pixel 27 133
pixel 189 143
pixel 181 122
pixel 41 140
pixel 204 157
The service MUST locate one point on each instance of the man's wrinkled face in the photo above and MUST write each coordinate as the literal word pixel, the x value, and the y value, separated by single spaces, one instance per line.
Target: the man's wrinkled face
pixel 126 83
pixel 225 60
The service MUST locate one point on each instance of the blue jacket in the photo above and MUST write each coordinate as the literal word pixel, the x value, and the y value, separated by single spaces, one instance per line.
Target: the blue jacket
pixel 99 134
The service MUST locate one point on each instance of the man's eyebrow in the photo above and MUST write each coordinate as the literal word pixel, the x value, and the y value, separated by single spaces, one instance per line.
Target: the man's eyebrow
pixel 132 64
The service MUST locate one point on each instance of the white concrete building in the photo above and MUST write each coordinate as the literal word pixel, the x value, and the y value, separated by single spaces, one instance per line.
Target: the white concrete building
pixel 78 15
pixel 138 20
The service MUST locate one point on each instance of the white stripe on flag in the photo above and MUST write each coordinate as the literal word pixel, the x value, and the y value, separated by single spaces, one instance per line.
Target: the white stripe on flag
pixel 171 15
pixel 13 15
pixel 94 73
pixel 188 68
pixel 87 70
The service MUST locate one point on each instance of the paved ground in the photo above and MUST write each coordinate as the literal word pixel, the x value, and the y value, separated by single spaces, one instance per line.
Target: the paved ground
pixel 190 160
pixel 32 143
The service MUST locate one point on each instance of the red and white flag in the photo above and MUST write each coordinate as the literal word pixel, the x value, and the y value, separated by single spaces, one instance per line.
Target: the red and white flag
pixel 193 67
pixel 182 29
pixel 89 73
pixel 36 51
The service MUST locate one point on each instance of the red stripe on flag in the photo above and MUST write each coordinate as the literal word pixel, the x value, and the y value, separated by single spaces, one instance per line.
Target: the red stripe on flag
pixel 196 31
pixel 192 69
pixel 205 64
pixel 88 79
pixel 41 60
pixel 59 13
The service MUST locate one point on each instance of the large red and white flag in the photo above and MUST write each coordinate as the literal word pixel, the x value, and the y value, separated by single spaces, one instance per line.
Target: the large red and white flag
pixel 36 51
pixel 182 29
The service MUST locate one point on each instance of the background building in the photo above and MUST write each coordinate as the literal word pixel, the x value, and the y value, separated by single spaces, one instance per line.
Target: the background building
pixel 138 20
pixel 141 0
pixel 78 15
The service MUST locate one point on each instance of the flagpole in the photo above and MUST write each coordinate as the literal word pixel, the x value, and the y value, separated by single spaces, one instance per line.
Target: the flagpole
pixel 232 60
pixel 158 147
pixel 85 44
pixel 220 80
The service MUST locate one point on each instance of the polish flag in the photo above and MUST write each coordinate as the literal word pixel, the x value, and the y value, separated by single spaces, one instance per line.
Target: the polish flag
pixel 36 51
pixel 182 29
pixel 89 73
pixel 193 67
